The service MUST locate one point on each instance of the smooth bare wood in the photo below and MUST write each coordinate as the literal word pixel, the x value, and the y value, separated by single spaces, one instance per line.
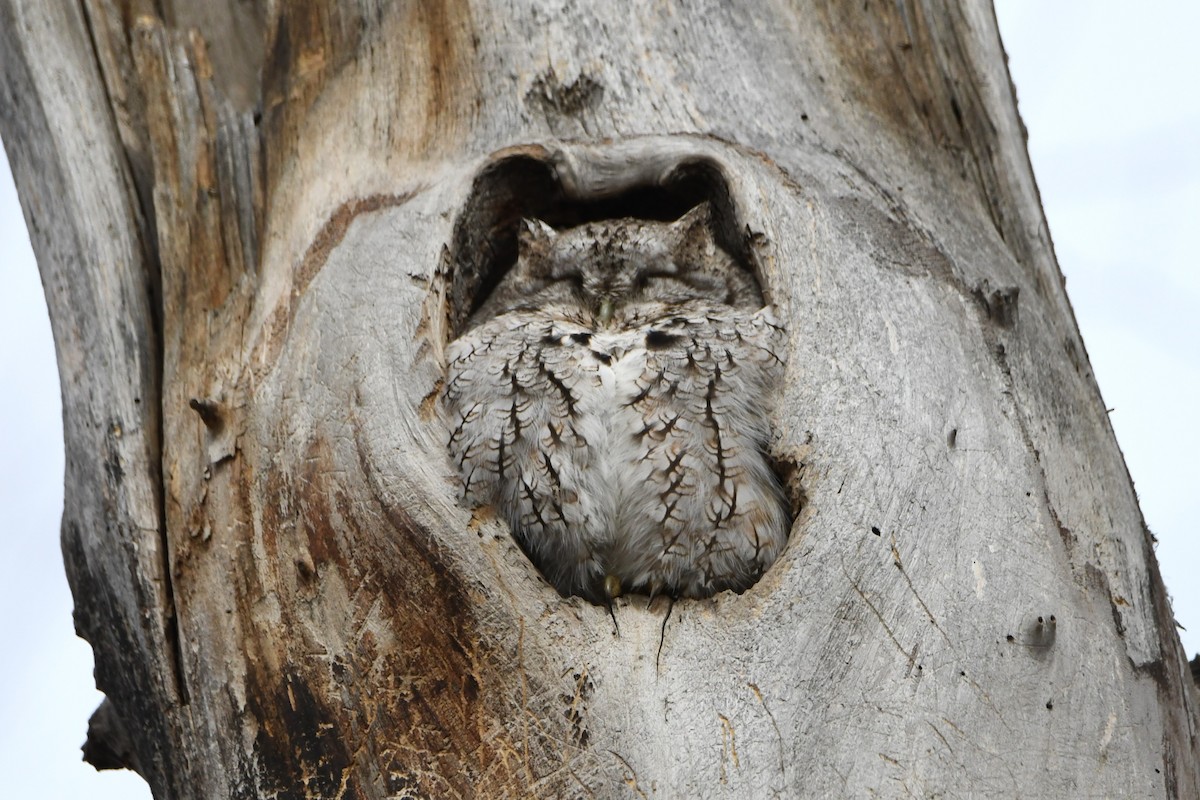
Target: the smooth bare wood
pixel 259 224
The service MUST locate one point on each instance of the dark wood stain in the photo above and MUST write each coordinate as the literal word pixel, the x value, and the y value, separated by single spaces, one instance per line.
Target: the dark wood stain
pixel 404 701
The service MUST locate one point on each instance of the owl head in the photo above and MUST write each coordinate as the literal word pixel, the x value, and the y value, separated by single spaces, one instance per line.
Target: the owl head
pixel 604 270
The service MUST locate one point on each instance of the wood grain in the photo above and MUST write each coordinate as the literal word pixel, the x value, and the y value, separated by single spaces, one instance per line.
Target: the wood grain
pixel 255 228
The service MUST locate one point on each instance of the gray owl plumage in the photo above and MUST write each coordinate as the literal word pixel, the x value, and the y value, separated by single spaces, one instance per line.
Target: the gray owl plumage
pixel 609 400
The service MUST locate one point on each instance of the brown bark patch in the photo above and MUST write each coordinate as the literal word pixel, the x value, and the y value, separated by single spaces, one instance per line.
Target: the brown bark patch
pixel 914 71
pixel 892 61
pixel 446 29
pixel 423 53
pixel 377 642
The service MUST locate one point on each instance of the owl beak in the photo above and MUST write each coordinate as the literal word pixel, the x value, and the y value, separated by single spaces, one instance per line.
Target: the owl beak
pixel 605 314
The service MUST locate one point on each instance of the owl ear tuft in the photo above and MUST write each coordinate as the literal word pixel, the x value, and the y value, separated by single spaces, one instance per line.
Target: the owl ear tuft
pixel 534 237
pixel 695 225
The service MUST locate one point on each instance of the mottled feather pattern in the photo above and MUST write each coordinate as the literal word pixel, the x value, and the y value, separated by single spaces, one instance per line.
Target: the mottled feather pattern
pixel 619 435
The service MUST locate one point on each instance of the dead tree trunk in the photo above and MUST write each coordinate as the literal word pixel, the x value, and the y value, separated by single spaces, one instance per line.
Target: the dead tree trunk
pixel 258 225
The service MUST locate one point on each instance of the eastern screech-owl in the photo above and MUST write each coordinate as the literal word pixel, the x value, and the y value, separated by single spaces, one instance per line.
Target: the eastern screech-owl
pixel 609 400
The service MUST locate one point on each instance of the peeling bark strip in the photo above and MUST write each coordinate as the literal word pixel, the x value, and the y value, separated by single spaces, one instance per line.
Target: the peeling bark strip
pixel 258 225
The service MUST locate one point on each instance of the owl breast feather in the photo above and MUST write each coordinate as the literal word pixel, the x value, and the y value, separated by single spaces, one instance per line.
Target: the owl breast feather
pixel 636 452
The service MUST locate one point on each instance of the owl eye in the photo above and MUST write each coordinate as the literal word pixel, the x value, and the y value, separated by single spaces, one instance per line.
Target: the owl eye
pixel 574 278
pixel 676 280
pixel 644 278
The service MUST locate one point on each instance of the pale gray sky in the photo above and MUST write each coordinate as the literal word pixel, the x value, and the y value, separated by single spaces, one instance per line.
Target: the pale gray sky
pixel 1109 98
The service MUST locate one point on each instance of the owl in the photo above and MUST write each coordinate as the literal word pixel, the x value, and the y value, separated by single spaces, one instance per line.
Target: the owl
pixel 610 401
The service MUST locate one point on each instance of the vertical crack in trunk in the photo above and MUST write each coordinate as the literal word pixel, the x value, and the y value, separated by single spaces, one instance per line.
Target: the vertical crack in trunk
pixel 144 222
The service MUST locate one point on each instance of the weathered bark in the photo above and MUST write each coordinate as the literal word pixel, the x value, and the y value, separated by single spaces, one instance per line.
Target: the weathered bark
pixel 257 236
